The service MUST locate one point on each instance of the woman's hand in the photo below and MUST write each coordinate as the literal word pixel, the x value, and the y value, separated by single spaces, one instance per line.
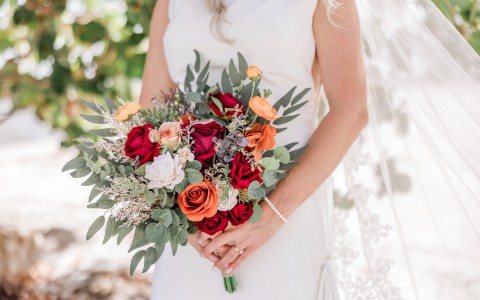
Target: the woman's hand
pixel 199 240
pixel 246 237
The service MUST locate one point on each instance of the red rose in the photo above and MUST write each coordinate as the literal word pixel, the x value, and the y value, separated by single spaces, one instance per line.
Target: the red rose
pixel 240 213
pixel 213 224
pixel 228 102
pixel 138 144
pixel 204 147
pixel 242 173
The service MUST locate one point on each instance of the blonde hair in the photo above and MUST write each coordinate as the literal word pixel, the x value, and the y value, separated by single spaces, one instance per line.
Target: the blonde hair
pixel 218 9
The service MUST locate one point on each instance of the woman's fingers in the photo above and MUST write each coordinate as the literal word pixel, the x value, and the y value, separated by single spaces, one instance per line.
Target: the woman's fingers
pixel 234 265
pixel 220 240
pixel 229 257
pixel 193 240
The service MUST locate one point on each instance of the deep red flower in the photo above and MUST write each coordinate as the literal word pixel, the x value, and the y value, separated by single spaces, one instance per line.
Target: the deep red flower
pixel 241 172
pixel 138 144
pixel 228 102
pixel 240 213
pixel 204 147
pixel 213 224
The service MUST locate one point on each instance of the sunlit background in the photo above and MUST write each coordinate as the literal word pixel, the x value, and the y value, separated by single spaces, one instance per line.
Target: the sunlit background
pixel 52 54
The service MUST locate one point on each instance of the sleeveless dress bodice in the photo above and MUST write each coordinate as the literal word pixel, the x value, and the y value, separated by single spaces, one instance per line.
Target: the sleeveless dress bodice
pixel 277 36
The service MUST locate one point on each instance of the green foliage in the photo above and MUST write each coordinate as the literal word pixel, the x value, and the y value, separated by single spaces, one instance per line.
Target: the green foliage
pixel 91 55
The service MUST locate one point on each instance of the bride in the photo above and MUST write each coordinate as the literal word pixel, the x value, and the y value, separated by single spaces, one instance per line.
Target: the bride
pixel 308 43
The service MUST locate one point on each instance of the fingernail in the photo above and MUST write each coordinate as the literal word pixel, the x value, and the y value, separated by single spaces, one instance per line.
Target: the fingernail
pixel 229 270
pixel 215 268
pixel 201 254
pixel 200 241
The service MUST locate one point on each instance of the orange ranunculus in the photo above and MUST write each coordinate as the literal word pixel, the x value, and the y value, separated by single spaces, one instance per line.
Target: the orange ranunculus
pixel 199 201
pixel 127 110
pixel 262 108
pixel 253 72
pixel 260 137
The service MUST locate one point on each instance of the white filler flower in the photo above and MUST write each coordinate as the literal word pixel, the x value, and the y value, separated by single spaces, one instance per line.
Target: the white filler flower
pixel 230 202
pixel 165 171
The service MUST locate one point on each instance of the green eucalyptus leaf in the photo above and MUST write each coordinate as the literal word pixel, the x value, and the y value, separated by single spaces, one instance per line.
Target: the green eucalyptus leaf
pixel 242 66
pixel 194 176
pixel 93 179
pixel 269 177
pixel 111 105
pixel 300 95
pixel 254 190
pixel 282 154
pixel 193 97
pixel 182 185
pixel 257 214
pixel 294 108
pixel 163 216
pixel 81 172
pixel 193 165
pixel 197 61
pixel 189 77
pixel 226 84
pixel 150 197
pixel 218 104
pixel 93 106
pixel 139 238
pixel 123 232
pixel 110 229
pixel 270 163
pixel 233 72
pixel 104 132
pixel 97 119
pixel 95 227
pixel 76 163
pixel 286 119
pixel 157 233
pixel 103 203
pixel 136 260
pixel 141 171
pixel 178 234
pixel 174 248
pixel 149 259
pixel 285 100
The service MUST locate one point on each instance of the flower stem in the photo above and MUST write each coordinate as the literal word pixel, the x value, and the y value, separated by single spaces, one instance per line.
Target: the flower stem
pixel 230 284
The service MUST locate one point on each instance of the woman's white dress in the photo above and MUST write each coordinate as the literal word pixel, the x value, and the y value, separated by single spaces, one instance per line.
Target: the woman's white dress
pixel 277 36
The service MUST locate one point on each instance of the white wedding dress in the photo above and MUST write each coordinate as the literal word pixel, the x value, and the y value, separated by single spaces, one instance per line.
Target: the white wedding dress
pixel 275 35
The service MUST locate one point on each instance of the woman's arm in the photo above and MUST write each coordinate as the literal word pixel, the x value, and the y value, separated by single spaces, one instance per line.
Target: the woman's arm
pixel 339 53
pixel 156 78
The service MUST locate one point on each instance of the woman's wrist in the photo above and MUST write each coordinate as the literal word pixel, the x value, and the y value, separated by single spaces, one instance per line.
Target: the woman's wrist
pixel 269 216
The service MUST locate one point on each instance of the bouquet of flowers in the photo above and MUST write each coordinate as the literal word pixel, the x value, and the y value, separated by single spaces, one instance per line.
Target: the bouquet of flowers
pixel 202 159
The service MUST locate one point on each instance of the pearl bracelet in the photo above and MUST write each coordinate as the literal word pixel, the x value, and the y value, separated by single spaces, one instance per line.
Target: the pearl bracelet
pixel 275 210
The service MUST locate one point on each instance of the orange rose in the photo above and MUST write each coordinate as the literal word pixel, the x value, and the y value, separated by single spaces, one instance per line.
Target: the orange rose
pixel 261 137
pixel 198 201
pixel 253 72
pixel 127 110
pixel 262 108
pixel 185 119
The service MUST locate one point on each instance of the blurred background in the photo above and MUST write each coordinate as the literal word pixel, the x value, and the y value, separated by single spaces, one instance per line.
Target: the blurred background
pixel 52 54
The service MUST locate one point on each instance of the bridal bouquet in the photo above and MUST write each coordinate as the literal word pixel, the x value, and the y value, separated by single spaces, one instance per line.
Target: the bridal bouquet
pixel 202 159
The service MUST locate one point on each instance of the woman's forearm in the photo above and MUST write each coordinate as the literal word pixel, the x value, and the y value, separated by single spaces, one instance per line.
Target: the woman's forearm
pixel 156 78
pixel 326 149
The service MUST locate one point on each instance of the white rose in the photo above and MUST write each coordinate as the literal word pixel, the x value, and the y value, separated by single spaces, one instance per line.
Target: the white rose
pixel 185 155
pixel 230 202
pixel 165 171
